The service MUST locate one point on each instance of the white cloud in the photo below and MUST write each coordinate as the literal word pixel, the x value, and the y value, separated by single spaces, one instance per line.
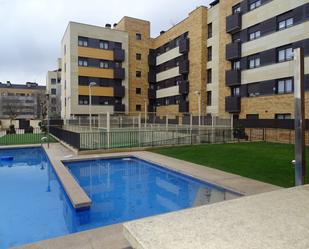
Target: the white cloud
pixel 32 29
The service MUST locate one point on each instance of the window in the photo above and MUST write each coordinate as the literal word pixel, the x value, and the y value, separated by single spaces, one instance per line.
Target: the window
pixel 236 91
pixel 285 54
pixel 104 44
pixel 138 74
pixel 285 23
pixel 209 30
pixel 53 91
pixel 209 98
pixel 138 56
pixel 255 4
pixel 236 9
pixel 177 41
pixel 138 91
pixel 236 65
pixel 166 47
pixel 138 108
pixel 82 62
pixel 83 100
pixel 284 86
pixel 53 101
pixel 254 35
pixel 83 42
pixel 236 37
pixel 104 64
pixel 252 116
pixel 53 81
pixel 138 36
pixel 209 53
pixel 283 116
pixel 65 49
pixel 59 80
pixel 209 76
pixel 254 62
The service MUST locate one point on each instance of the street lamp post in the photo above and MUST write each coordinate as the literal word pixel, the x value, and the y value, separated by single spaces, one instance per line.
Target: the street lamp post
pixel 91 84
pixel 198 93
pixel 145 100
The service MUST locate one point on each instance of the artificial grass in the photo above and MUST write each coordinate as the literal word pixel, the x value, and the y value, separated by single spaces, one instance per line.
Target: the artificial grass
pixel 27 138
pixel 266 162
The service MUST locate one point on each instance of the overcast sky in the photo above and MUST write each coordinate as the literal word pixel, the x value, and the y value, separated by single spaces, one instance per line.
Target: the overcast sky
pixel 31 30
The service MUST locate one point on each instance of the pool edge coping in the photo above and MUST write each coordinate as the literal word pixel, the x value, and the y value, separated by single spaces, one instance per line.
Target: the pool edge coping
pixel 77 195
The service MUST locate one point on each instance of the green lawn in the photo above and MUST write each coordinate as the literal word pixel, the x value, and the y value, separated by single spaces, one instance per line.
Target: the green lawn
pixel 28 138
pixel 267 162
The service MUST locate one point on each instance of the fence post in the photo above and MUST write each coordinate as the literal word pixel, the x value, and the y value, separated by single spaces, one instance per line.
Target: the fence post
pixel 108 129
pixel 139 129
pixel 213 133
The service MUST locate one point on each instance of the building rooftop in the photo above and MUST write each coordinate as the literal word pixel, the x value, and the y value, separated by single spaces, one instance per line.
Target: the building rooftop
pixel 27 85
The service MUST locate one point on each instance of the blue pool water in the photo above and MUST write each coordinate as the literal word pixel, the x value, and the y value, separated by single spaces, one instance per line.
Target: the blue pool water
pixel 34 205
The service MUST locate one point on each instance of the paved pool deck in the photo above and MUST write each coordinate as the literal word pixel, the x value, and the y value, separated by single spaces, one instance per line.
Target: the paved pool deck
pixel 112 236
pixel 274 220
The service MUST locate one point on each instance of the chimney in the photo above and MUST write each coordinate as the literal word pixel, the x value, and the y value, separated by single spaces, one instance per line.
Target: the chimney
pixel 107 25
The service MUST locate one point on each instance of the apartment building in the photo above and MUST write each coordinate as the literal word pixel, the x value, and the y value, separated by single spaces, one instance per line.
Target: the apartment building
pixel 264 34
pixel 96 55
pixel 53 89
pixel 21 101
pixel 233 58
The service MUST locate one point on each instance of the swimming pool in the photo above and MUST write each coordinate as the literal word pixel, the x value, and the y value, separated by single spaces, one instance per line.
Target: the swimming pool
pixel 34 205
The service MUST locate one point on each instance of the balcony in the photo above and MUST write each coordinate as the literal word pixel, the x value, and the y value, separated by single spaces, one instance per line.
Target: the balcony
pixel 119 73
pixel 119 91
pixel 232 77
pixel 152 58
pixel 184 87
pixel 184 46
pixel 151 76
pixel 151 93
pixel 233 51
pixel 119 55
pixel 233 23
pixel 232 104
pixel 183 106
pixel 119 107
pixel 184 67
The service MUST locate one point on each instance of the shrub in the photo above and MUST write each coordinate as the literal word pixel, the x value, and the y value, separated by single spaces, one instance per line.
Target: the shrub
pixel 29 129
pixel 11 130
pixel 240 133
pixel 42 127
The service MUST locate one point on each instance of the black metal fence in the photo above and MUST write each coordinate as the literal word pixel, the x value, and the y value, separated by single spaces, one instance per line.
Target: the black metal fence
pixel 140 138
pixel 267 123
pixel 69 137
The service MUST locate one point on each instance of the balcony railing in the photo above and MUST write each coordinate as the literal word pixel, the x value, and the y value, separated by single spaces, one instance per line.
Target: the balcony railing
pixel 184 67
pixel 184 46
pixel 232 77
pixel 119 73
pixel 151 93
pixel 233 23
pixel 232 104
pixel 152 58
pixel 183 106
pixel 119 107
pixel 184 87
pixel 233 50
pixel 119 91
pixel 151 76
pixel 119 54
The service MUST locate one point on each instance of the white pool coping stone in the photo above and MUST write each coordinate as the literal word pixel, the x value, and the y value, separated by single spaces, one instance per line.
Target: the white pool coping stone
pixel 273 220
pixel 78 197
